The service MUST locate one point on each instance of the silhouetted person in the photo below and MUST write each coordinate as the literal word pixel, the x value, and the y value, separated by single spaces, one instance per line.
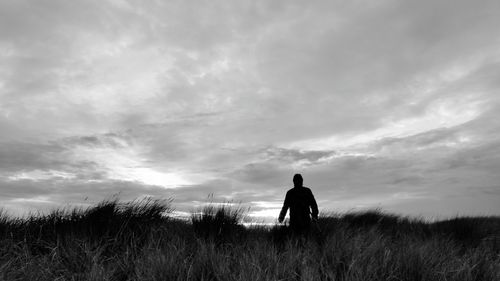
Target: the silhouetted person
pixel 302 206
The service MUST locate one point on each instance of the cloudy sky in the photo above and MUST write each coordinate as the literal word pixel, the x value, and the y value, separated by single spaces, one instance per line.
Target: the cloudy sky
pixel 391 104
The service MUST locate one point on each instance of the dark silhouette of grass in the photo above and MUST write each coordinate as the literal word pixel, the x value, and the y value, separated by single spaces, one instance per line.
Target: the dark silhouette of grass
pixel 220 223
pixel 139 241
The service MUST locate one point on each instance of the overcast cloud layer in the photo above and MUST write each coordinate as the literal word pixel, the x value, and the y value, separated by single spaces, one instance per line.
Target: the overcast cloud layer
pixel 391 104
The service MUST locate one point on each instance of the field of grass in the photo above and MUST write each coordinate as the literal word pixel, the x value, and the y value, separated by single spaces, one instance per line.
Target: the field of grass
pixel 139 241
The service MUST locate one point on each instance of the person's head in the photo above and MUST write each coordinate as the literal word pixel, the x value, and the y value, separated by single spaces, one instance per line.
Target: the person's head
pixel 297 180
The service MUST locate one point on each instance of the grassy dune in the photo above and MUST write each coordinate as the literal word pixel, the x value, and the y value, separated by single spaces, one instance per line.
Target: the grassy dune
pixel 139 241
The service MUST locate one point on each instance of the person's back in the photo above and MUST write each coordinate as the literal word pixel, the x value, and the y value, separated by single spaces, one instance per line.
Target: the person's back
pixel 302 205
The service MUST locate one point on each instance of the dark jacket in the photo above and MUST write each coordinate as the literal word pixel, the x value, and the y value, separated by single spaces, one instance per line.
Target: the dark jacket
pixel 302 205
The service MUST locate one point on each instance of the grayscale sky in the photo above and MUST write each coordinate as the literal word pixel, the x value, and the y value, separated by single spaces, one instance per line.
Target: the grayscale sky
pixel 390 104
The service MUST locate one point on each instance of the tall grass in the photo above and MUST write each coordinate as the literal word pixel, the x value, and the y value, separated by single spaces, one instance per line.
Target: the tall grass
pixel 220 223
pixel 138 241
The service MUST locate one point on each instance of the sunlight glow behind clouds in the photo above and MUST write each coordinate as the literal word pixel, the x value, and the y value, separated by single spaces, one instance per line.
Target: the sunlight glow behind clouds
pixel 149 177
pixel 126 163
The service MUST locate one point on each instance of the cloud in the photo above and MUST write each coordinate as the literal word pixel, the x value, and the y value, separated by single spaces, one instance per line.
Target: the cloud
pixel 370 101
pixel 56 154
pixel 297 155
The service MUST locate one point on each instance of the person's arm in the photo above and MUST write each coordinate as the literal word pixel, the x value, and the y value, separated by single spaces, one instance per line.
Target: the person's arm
pixel 286 205
pixel 314 207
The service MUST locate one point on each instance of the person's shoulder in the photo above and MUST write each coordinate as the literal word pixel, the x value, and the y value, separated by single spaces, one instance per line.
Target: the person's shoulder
pixel 307 189
pixel 293 192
